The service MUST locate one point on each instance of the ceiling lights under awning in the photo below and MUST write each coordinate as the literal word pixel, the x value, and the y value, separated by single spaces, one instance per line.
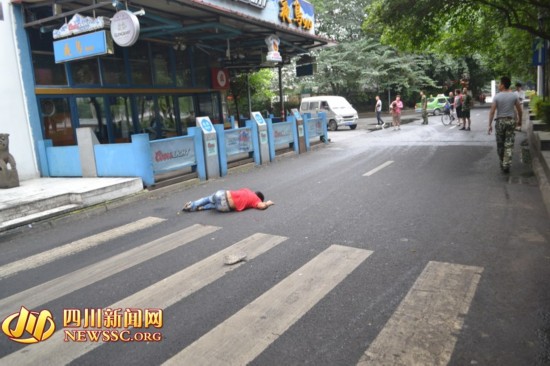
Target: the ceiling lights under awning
pixel 234 34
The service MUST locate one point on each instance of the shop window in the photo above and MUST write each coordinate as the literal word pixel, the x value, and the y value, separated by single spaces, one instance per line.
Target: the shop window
pixel 167 116
pixel 56 121
pixel 149 121
pixel 161 64
pixel 202 69
pixel 183 68
pixel 121 115
pixel 139 64
pixel 46 71
pixel 187 113
pixel 91 113
pixel 209 106
pixel 85 72
pixel 114 70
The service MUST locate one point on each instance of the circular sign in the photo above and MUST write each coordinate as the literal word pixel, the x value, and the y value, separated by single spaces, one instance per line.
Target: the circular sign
pixel 206 125
pixel 125 28
pixel 222 79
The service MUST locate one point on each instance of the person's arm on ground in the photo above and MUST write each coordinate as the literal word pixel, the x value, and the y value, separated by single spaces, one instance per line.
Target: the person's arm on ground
pixel 264 205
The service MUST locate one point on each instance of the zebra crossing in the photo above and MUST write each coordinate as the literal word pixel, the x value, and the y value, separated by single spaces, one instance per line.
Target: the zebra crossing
pixel 431 313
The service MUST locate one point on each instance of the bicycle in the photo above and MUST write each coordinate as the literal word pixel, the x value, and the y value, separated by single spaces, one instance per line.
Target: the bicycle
pixel 447 117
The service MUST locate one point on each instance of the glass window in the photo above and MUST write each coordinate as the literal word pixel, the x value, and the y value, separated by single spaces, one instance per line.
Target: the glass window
pixel 91 114
pixel 85 72
pixel 209 106
pixel 187 113
pixel 46 71
pixel 114 70
pixel 202 69
pixel 147 116
pixel 167 116
pixel 161 64
pixel 56 121
pixel 183 68
pixel 121 115
pixel 139 64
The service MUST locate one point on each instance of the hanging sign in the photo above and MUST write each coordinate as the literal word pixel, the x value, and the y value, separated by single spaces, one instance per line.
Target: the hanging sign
pixel 83 46
pixel 273 54
pixel 125 28
pixel 80 24
pixel 220 78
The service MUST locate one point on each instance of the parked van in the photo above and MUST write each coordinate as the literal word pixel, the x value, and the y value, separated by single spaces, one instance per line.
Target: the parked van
pixel 339 111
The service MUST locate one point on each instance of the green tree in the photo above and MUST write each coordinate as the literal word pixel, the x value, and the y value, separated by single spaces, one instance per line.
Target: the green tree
pixel 261 93
pixel 499 34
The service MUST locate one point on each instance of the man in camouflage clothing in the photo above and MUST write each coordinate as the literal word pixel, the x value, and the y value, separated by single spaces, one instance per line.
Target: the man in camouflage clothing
pixel 504 103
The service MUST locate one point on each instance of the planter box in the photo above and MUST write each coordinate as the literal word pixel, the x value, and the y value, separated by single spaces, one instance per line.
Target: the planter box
pixel 543 139
pixel 538 125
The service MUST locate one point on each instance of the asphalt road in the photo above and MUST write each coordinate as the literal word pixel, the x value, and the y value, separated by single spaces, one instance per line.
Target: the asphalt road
pixel 385 247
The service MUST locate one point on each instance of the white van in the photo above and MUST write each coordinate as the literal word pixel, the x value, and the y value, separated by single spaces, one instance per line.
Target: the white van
pixel 339 111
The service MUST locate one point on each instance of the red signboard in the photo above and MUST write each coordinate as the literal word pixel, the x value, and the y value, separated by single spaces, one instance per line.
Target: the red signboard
pixel 220 79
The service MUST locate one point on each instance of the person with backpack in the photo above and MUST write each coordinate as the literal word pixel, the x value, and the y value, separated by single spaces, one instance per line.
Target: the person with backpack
pixel 467 104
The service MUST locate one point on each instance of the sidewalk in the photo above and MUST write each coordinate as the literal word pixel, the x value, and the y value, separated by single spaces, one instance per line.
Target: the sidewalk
pixel 39 199
pixel 42 198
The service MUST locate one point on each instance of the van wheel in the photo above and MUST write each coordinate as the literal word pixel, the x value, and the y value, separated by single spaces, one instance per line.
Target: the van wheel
pixel 353 127
pixel 332 125
pixel 437 112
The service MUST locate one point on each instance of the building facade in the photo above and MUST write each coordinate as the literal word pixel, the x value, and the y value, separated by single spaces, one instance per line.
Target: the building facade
pixel 125 68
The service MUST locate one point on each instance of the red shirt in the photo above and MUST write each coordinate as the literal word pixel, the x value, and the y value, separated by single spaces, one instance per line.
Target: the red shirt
pixel 244 198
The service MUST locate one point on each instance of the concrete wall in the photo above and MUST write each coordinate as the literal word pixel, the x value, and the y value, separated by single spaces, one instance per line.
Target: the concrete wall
pixel 14 103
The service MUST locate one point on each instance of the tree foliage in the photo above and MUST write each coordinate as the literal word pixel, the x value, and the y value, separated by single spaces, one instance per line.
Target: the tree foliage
pixel 499 33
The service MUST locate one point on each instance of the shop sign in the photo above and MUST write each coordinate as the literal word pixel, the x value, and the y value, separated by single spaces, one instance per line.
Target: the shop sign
pixel 125 28
pixel 83 46
pixel 257 3
pixel 80 24
pixel 220 79
pixel 273 54
pixel 301 14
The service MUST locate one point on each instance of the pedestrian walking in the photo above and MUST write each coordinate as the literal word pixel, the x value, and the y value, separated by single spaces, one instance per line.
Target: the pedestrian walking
pixel 424 106
pixel 505 122
pixel 225 201
pixel 467 104
pixel 395 109
pixel 378 110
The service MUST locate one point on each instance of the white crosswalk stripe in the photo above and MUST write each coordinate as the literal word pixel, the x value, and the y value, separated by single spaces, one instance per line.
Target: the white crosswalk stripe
pixel 68 283
pixel 49 256
pixel 160 295
pixel 241 338
pixel 421 331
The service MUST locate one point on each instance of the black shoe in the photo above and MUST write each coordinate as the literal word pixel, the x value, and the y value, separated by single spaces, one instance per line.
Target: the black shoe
pixel 468 129
pixel 462 129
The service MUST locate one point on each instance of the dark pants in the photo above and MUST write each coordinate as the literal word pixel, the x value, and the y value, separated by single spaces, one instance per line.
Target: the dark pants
pixel 378 118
